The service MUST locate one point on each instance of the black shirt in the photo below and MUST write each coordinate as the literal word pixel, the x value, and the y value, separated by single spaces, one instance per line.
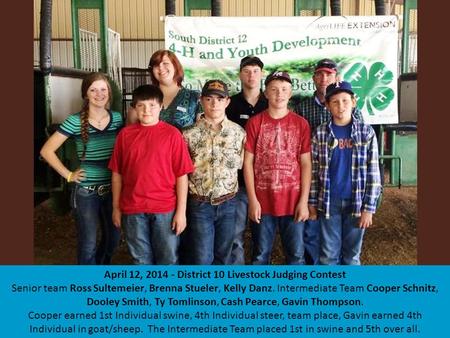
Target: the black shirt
pixel 239 111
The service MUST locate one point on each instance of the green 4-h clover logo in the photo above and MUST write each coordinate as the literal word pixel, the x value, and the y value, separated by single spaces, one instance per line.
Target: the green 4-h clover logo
pixel 371 88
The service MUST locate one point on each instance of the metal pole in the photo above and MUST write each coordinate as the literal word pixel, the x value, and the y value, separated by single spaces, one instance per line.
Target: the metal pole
pixel 45 37
pixel 216 7
pixel 45 53
pixel 393 138
pixel 335 6
pixel 103 36
pixel 408 5
pixel 170 7
pixel 379 7
pixel 75 35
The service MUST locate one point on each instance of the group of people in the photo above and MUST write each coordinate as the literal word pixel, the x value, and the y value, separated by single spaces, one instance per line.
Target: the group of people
pixel 190 171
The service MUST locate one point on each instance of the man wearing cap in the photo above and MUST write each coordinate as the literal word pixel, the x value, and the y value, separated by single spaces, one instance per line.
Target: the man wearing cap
pixel 313 109
pixel 277 171
pixel 346 181
pixel 216 148
pixel 243 105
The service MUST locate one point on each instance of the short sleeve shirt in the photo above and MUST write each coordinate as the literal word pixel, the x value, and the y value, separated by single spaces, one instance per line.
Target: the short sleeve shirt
pixel 277 145
pixel 217 156
pixel 150 159
pixel 182 111
pixel 98 148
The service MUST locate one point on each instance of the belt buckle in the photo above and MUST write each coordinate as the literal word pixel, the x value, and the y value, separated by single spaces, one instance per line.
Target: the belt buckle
pixel 221 199
pixel 103 189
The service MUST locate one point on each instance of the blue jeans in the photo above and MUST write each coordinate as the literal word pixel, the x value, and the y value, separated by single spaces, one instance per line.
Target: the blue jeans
pixel 150 238
pixel 311 238
pixel 237 250
pixel 291 234
pixel 341 238
pixel 91 210
pixel 211 233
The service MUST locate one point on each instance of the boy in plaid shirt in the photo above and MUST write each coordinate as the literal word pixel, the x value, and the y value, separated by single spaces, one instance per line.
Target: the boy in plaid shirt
pixel 346 182
pixel 313 109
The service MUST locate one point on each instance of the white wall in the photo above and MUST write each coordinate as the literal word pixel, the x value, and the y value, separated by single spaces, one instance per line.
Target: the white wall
pixel 65 97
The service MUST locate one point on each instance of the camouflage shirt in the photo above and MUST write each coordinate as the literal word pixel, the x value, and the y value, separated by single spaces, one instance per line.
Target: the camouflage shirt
pixel 217 155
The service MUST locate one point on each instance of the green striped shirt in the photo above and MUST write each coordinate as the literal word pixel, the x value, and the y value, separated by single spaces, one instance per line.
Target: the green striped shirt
pixel 98 149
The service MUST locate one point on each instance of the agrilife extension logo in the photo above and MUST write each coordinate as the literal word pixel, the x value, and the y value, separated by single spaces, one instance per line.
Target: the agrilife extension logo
pixel 371 88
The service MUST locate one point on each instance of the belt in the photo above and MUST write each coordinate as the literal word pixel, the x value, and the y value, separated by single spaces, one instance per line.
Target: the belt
pixel 100 189
pixel 213 201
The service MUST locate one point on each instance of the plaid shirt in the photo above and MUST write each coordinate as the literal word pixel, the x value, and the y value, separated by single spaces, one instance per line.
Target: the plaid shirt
pixel 316 113
pixel 366 182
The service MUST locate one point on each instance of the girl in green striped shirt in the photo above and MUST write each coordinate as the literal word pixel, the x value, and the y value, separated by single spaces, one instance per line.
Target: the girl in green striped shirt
pixel 94 130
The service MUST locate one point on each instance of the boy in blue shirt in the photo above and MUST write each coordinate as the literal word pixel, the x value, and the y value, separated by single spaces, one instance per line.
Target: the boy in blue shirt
pixel 346 182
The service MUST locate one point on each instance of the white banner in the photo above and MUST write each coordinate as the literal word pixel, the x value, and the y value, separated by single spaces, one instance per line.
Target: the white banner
pixel 364 47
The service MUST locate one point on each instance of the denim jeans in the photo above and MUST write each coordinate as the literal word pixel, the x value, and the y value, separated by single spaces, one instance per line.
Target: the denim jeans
pixel 237 250
pixel 291 234
pixel 150 238
pixel 211 233
pixel 341 238
pixel 91 210
pixel 311 237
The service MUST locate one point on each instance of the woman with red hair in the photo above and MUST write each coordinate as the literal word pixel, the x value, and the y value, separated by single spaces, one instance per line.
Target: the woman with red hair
pixel 180 105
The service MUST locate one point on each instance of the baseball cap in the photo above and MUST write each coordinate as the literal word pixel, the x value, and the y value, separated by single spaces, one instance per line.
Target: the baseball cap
pixel 327 65
pixel 251 60
pixel 217 87
pixel 278 75
pixel 337 87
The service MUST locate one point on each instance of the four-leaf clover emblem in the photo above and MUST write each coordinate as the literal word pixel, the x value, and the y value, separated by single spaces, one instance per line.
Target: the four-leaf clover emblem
pixel 371 87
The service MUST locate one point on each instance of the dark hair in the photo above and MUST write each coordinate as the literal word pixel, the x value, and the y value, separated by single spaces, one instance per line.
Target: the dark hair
pixel 251 60
pixel 147 92
pixel 84 113
pixel 156 59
